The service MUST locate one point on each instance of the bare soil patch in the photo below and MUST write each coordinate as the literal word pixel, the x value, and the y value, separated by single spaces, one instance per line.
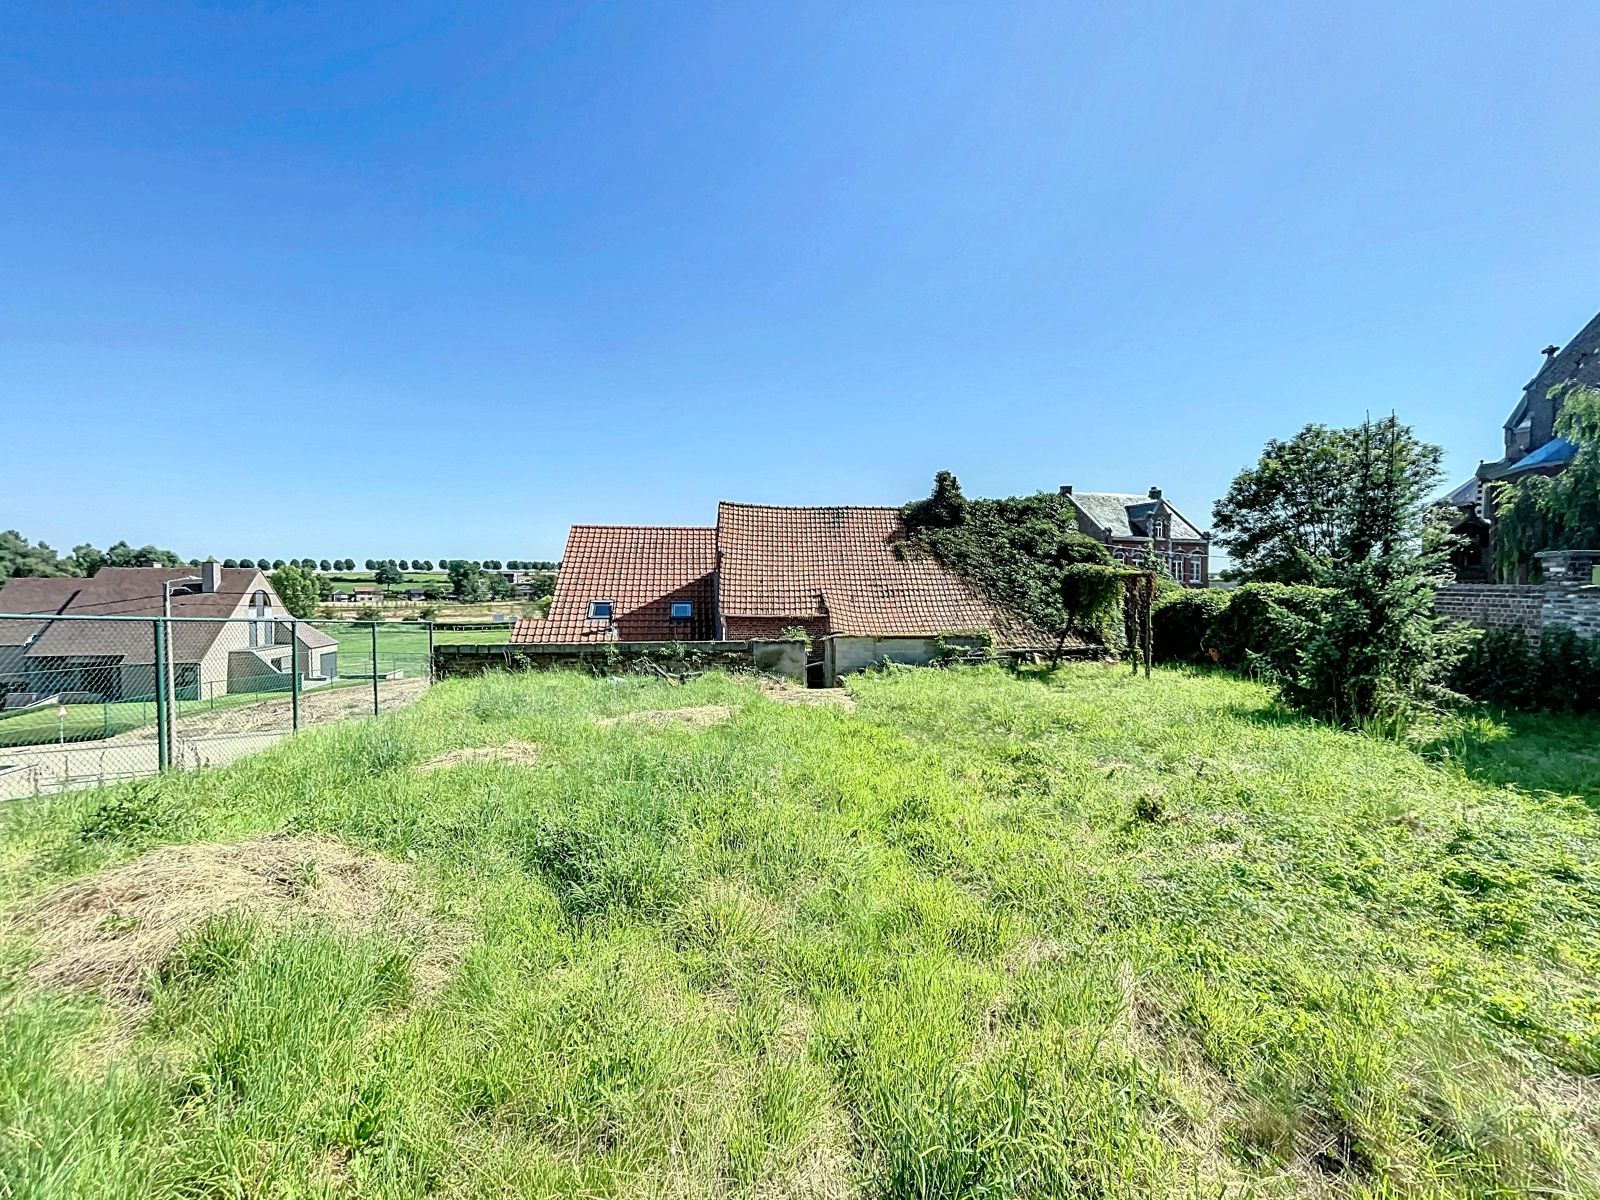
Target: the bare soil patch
pixel 112 929
pixel 692 718
pixel 789 693
pixel 517 753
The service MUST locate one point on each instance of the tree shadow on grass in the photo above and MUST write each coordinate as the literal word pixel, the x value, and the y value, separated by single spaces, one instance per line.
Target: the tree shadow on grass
pixel 1537 752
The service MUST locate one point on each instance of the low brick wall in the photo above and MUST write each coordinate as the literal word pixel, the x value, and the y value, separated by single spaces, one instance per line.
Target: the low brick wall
pixel 1493 606
pixel 769 657
pixel 1569 598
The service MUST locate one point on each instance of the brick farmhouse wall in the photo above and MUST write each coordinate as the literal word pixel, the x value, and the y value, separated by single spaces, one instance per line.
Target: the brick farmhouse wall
pixel 1568 597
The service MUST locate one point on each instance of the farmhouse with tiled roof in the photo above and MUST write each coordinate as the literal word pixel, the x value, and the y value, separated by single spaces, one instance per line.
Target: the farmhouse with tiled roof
pixel 843 574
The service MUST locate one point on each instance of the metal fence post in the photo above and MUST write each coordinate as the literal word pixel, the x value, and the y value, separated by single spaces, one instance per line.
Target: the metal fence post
pixel 294 673
pixel 430 651
pixel 374 668
pixel 163 718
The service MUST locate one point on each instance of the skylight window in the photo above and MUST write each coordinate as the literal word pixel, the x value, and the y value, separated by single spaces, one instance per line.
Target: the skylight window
pixel 599 610
pixel 682 610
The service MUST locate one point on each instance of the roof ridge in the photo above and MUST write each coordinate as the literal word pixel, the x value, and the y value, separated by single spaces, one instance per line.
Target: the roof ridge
pixel 695 528
pixel 810 507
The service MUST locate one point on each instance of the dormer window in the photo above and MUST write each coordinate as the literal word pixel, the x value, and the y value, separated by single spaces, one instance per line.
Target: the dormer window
pixel 682 610
pixel 599 610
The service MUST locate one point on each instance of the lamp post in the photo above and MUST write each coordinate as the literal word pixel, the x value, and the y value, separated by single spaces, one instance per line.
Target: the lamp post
pixel 166 667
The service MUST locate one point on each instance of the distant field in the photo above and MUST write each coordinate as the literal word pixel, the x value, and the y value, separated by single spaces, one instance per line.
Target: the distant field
pixel 953 934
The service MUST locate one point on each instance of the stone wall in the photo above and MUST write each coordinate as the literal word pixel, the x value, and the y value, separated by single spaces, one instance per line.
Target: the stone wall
pixel 1568 597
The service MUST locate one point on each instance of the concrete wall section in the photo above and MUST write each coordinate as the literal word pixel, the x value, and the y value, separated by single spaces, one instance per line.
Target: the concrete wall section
pixel 844 654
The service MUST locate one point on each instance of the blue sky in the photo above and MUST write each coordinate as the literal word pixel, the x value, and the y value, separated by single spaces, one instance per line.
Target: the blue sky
pixel 404 280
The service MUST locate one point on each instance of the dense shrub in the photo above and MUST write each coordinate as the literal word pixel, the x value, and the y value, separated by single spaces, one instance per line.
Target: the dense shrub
pixel 1500 668
pixel 1183 625
pixel 1265 626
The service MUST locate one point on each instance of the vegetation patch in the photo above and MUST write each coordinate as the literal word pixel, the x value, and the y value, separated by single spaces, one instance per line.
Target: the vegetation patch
pixel 117 929
pixel 517 753
pixel 988 934
pixel 793 693
pixel 693 717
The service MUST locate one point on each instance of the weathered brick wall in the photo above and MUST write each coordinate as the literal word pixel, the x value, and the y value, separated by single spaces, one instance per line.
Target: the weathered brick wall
pixel 1493 606
pixel 1569 596
pixel 1571 590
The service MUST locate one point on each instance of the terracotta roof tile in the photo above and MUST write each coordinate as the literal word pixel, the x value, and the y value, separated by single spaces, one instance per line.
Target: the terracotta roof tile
pixel 844 564
pixel 642 570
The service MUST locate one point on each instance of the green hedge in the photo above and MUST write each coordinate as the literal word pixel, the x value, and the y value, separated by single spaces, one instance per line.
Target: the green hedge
pixel 1500 668
pixel 1260 627
pixel 1181 624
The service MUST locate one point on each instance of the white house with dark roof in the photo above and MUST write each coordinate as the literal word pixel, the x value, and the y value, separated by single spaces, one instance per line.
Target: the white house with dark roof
pixel 1133 527
pixel 115 660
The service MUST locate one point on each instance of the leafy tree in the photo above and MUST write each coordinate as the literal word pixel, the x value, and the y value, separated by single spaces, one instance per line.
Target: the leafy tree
pixel 263 564
pixel 277 564
pixel 500 588
pixel 467 582
pixel 297 590
pixel 230 562
pixel 19 556
pixel 325 565
pixel 1281 518
pixel 388 572
pixel 371 564
pixel 1560 512
pixel 1380 651
pixel 427 564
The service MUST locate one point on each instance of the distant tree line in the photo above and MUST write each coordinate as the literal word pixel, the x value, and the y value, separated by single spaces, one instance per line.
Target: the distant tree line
pixel 19 556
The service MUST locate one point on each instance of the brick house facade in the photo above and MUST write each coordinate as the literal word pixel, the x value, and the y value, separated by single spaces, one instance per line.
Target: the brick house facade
pixel 1133 527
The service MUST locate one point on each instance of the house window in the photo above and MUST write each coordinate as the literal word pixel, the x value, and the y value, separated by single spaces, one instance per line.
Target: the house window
pixel 261 629
pixel 1158 527
pixel 1196 569
pixel 682 610
pixel 599 610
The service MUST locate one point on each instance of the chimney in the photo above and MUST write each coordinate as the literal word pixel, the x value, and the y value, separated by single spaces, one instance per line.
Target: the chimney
pixel 210 576
pixel 1065 489
pixel 1155 493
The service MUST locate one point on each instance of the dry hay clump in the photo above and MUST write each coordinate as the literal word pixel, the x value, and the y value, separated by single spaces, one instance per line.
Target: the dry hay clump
pixel 788 693
pixel 517 753
pixel 112 929
pixel 689 718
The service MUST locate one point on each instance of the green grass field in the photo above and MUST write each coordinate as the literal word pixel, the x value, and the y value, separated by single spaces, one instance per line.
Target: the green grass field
pixel 1071 935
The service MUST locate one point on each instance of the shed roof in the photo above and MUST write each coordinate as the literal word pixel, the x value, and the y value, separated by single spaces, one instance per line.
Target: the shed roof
pixel 642 570
pixel 849 565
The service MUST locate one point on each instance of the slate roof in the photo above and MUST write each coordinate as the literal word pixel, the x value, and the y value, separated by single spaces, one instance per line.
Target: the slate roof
pixel 843 563
pixel 1577 363
pixel 1124 515
pixel 641 569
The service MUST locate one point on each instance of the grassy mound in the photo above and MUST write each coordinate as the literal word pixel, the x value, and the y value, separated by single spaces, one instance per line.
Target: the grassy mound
pixel 1080 934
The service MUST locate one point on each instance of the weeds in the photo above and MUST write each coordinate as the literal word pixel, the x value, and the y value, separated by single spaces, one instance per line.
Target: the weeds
pixel 1069 934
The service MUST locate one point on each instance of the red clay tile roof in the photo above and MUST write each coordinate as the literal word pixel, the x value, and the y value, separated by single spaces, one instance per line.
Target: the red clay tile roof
pixel 843 563
pixel 641 569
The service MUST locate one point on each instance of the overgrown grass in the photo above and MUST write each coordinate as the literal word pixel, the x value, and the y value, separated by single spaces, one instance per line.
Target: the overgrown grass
pixel 1078 935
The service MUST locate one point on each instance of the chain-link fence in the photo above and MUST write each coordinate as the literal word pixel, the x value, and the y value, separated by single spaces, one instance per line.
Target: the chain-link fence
pixel 88 700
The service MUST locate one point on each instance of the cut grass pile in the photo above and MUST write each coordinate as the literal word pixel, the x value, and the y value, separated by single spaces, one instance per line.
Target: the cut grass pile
pixel 1078 935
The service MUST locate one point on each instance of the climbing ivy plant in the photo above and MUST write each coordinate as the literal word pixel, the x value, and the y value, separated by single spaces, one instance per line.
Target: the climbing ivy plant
pixel 1023 552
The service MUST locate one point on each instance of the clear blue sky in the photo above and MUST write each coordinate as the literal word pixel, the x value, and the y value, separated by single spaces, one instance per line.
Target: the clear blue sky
pixel 403 280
